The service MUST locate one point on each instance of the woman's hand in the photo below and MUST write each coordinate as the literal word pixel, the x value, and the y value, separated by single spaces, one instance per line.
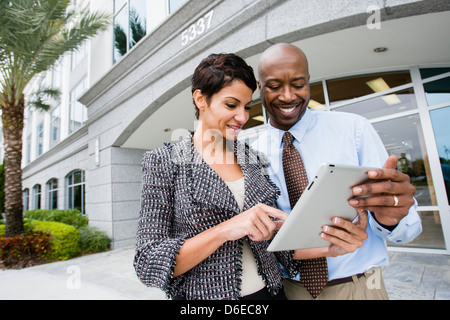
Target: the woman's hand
pixel 254 223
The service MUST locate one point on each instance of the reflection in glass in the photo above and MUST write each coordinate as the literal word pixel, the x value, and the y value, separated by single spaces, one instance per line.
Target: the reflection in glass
pixel 137 21
pixel 129 27
pixel 431 72
pixel 317 101
pixel 340 90
pixel 409 146
pixel 432 236
pixel 256 117
pixel 120 36
pixel 439 118
pixel 384 105
pixel 437 92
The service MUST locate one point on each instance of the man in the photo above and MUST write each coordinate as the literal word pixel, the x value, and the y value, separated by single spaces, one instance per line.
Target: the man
pixel 283 81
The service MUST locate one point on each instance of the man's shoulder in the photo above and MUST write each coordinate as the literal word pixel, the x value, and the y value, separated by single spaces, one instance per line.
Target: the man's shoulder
pixel 260 144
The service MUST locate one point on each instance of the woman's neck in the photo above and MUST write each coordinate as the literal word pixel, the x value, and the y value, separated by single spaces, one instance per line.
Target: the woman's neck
pixel 213 147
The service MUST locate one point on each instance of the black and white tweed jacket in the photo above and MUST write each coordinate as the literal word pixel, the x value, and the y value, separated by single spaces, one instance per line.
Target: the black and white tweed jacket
pixel 183 196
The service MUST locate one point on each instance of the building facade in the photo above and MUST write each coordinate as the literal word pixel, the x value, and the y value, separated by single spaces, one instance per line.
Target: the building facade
pixel 128 91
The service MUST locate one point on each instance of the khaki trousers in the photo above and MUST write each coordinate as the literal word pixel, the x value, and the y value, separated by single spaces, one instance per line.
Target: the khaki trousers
pixel 368 287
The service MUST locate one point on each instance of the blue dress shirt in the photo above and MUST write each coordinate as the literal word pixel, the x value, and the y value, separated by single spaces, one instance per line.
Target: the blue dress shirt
pixel 339 138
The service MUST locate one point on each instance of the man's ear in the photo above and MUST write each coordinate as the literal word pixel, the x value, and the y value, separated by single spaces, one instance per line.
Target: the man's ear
pixel 259 86
pixel 199 99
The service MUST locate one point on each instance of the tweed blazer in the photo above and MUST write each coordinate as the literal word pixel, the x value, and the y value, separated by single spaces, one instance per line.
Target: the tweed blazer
pixel 183 196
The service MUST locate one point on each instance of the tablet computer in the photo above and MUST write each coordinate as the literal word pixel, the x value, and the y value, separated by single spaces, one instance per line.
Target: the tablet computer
pixel 325 197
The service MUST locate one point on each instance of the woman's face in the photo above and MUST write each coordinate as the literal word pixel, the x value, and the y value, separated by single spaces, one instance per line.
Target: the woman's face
pixel 227 111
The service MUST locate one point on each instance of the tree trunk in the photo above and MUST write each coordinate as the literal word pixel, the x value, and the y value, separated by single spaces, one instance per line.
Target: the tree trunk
pixel 13 122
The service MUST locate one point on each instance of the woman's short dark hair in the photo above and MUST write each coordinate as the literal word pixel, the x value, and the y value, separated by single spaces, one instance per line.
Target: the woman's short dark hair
pixel 217 71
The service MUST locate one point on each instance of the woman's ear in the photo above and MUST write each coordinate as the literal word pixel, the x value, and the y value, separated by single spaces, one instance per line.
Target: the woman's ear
pixel 200 100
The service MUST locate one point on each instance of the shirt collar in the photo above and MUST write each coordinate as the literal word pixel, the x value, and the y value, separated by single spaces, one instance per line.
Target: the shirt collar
pixel 298 130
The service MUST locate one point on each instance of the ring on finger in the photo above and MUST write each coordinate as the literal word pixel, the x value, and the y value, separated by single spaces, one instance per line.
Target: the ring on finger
pixel 395 200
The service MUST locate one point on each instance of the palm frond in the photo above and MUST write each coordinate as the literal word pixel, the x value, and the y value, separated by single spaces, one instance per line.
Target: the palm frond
pixel 34 34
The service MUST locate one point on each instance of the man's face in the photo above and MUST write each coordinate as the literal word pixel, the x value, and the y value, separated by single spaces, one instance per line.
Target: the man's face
pixel 284 88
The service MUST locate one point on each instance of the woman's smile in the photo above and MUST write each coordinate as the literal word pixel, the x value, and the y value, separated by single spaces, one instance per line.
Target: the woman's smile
pixel 235 128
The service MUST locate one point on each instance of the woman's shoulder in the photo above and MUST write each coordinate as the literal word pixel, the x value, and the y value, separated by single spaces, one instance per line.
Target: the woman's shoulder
pixel 157 155
pixel 169 153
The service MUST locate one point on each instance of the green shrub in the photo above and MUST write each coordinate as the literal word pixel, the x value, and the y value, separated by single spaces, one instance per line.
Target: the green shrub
pixel 64 239
pixel 70 217
pixel 93 240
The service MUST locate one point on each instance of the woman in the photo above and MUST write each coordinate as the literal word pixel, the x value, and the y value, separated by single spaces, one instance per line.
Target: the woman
pixel 207 205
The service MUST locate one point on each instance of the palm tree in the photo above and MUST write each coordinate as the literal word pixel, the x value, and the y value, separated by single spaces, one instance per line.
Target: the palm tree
pixel 34 34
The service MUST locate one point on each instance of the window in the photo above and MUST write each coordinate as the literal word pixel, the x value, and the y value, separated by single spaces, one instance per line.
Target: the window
pixel 77 111
pixel 407 145
pixel 129 25
pixel 175 4
pixel 40 139
pixel 52 194
pixel 28 150
pixel 76 191
pixel 346 89
pixel 36 196
pixel 78 55
pixel 256 116
pixel 55 126
pixel 437 92
pixel 431 72
pixel 26 199
pixel 383 105
pixel 317 100
pixel 57 75
pixel 440 119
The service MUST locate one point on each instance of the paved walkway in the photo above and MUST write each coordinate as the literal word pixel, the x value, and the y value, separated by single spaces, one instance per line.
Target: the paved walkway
pixel 110 276
pixel 417 276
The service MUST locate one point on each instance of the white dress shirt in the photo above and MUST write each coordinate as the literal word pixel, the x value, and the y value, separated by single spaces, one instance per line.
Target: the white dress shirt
pixel 339 138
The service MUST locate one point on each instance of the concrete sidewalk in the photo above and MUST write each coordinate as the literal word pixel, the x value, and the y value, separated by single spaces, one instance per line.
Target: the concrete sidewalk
pixel 103 276
pixel 110 276
pixel 417 276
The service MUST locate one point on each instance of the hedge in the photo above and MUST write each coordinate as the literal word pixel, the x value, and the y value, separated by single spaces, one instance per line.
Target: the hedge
pixel 64 239
pixel 70 217
pixel 93 240
pixel 67 231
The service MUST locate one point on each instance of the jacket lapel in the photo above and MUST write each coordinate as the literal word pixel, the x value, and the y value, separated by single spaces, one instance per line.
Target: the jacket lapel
pixel 258 187
pixel 209 190
pixel 206 187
